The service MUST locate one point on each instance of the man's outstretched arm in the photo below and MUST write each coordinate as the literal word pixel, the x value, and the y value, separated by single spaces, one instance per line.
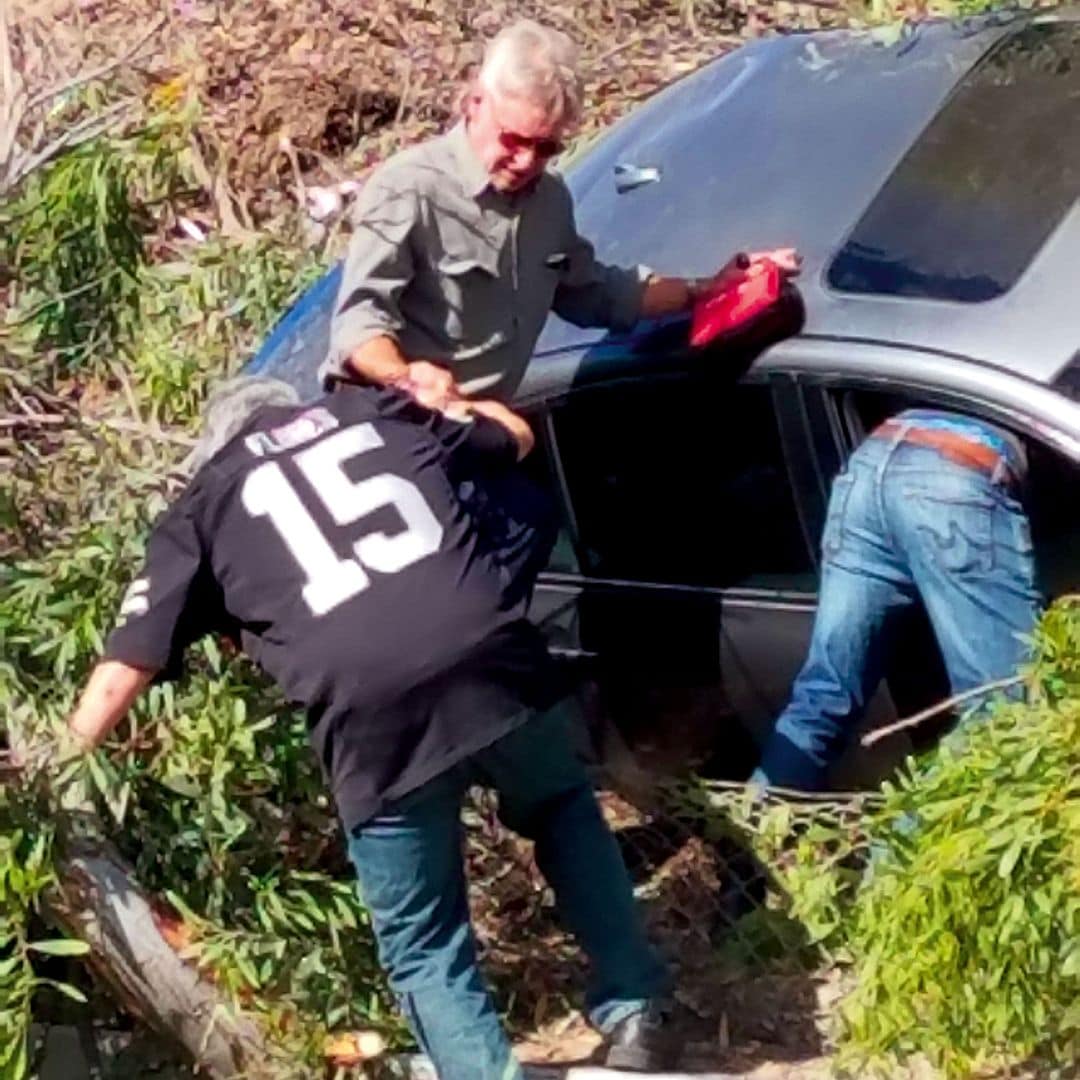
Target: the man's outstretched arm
pixel 433 396
pixel 165 608
pixel 112 689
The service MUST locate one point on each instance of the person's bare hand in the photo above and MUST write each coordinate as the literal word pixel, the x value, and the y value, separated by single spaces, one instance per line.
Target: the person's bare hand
pixel 30 759
pixel 47 753
pixel 432 386
pixel 787 259
pixel 517 425
pixel 740 267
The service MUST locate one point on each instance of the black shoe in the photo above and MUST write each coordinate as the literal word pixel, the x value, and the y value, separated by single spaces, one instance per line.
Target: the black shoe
pixel 643 1042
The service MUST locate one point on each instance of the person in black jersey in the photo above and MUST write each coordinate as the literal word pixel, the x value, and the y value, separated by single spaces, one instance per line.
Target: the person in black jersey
pixel 330 540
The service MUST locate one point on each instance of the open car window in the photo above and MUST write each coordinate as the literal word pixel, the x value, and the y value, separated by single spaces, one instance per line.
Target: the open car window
pixel 674 483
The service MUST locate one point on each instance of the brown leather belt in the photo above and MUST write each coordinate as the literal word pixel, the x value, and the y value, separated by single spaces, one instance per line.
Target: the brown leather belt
pixel 967 452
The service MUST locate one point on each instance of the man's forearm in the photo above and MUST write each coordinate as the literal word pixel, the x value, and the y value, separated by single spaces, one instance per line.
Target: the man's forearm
pixel 518 426
pixel 110 692
pixel 671 295
pixel 666 296
pixel 379 361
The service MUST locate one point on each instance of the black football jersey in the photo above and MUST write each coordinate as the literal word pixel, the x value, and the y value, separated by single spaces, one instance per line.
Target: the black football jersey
pixel 333 541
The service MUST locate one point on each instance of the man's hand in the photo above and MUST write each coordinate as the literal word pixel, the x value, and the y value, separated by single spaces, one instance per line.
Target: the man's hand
pixel 787 259
pixel 463 409
pixel 50 763
pixel 380 361
pixel 432 386
pixel 43 753
pixel 737 268
pixel 111 690
pixel 52 758
pixel 670 295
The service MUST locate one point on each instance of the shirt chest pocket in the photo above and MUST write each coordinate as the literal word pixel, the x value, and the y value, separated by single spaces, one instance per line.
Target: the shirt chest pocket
pixel 477 297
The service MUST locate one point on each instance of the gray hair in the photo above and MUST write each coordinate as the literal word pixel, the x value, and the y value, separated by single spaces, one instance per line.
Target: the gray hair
pixel 537 64
pixel 229 407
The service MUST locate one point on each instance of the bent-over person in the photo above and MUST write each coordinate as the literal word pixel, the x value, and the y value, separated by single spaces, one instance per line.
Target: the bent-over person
pixel 329 539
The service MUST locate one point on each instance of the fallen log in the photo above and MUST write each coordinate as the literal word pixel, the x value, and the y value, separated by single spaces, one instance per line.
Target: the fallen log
pixel 97 899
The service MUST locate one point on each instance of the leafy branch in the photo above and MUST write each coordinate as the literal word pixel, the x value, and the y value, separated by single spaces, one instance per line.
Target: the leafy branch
pixel 22 151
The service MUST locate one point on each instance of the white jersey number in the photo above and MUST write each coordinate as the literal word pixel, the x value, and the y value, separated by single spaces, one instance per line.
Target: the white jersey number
pixel 331 580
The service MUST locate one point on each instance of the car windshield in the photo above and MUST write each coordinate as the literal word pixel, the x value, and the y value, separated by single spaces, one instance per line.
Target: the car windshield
pixel 985 184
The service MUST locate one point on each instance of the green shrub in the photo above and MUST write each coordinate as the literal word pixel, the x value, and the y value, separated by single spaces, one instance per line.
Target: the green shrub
pixel 200 315
pixel 951 897
pixel 25 872
pixel 210 787
pixel 74 237
pixel 965 933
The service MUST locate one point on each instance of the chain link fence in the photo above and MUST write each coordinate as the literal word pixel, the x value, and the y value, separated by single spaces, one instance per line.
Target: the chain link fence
pixel 743 893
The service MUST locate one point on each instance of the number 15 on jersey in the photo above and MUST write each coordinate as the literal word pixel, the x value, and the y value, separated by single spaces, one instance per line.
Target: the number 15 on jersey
pixel 331 580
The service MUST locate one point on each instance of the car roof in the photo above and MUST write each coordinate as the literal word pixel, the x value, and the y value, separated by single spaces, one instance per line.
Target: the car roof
pixel 788 141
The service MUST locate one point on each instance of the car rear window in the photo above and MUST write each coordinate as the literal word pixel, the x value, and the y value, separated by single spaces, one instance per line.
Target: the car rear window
pixel 985 185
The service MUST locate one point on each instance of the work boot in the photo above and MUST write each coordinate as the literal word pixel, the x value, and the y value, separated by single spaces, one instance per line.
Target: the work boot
pixel 643 1042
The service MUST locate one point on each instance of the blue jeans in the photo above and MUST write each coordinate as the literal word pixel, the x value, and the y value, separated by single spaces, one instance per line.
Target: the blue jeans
pixel 904 523
pixel 412 880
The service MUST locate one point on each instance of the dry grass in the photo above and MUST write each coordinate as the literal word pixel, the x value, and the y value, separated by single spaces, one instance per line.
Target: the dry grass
pixel 295 93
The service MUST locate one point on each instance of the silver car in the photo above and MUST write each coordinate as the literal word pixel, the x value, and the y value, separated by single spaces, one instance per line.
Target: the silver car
pixel 931 179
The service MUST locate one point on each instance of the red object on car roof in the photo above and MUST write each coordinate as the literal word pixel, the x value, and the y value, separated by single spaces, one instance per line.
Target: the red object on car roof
pixel 731 307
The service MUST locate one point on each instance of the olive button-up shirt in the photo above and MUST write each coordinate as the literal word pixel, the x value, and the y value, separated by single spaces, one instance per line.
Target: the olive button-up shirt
pixel 459 273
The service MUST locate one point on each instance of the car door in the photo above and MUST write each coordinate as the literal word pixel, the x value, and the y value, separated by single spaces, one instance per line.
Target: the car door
pixel 685 576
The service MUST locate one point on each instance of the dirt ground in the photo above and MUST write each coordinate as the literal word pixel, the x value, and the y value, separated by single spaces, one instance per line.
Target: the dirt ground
pixel 747 1003
pixel 764 1032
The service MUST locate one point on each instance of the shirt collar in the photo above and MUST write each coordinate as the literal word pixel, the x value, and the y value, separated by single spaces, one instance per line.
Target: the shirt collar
pixel 469 167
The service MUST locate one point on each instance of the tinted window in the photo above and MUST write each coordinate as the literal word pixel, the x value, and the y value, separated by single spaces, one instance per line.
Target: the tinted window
pixel 985 184
pixel 682 482
pixel 1055 521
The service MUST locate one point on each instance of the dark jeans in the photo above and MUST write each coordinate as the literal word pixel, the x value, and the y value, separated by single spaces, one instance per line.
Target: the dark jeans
pixel 410 867
pixel 905 523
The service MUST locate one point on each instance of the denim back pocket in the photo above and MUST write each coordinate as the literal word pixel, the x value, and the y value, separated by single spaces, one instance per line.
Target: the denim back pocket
pixel 953 518
pixel 832 539
pixel 1012 527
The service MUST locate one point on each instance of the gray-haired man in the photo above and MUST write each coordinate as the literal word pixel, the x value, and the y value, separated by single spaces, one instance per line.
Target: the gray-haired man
pixel 465 243
pixel 330 539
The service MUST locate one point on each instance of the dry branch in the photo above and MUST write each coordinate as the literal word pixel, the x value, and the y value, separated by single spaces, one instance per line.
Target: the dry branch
pixel 94 73
pixel 942 706
pixel 27 161
pixel 18 160
pixel 97 900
